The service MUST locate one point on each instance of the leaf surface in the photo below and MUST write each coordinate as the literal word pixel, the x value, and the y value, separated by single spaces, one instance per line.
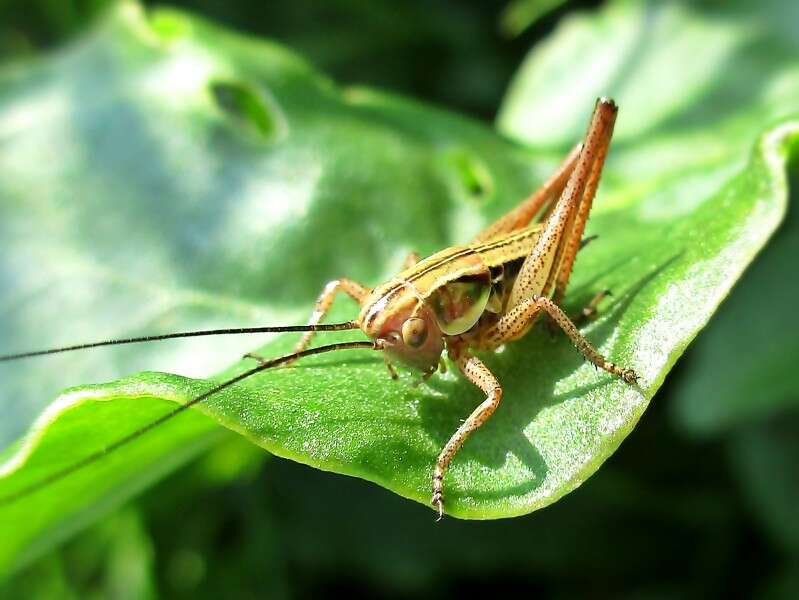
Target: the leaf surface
pixel 696 86
pixel 163 174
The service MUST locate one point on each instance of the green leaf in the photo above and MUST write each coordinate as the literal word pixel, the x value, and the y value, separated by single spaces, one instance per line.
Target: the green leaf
pixel 695 86
pixel 753 342
pixel 163 174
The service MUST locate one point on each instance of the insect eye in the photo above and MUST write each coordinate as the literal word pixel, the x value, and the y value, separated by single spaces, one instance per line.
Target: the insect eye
pixel 414 332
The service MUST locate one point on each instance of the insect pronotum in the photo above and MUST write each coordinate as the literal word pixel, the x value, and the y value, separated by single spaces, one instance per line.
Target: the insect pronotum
pixel 464 299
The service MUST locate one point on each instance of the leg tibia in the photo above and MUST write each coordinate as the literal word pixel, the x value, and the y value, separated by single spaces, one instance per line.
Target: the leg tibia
pixel 545 195
pixel 325 301
pixel 476 372
pixel 522 316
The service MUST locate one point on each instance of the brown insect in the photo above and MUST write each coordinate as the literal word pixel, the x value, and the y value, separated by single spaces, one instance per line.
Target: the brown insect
pixel 464 299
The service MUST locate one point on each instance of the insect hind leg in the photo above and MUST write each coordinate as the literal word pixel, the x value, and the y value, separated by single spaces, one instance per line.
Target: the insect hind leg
pixel 519 319
pixel 544 196
pixel 587 313
pixel 575 241
pixel 560 239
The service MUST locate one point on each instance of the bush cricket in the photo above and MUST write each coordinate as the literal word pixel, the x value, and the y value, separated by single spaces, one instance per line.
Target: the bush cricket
pixel 465 299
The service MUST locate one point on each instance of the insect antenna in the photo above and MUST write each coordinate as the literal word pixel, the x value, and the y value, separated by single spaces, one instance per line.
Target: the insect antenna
pixel 184 334
pixel 127 439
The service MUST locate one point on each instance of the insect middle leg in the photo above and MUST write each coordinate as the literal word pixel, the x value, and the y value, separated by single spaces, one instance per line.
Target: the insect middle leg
pixel 411 259
pixel 476 372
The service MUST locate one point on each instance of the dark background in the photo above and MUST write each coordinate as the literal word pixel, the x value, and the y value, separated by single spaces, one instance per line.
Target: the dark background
pixel 669 515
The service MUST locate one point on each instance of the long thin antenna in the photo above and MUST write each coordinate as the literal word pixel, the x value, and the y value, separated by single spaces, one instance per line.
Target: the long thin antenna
pixel 185 334
pixel 99 454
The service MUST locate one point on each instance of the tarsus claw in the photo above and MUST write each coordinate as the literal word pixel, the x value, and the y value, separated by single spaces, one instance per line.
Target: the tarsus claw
pixel 438 503
pixel 629 376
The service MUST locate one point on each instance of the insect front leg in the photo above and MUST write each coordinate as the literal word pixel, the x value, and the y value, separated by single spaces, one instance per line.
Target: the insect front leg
pixel 513 325
pixel 352 288
pixel 476 372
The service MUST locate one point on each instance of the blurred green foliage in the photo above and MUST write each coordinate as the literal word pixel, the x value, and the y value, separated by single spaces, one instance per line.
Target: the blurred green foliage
pixel 699 501
pixel 466 59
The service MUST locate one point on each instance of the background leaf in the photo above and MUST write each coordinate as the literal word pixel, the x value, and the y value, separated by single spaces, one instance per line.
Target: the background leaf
pixel 559 421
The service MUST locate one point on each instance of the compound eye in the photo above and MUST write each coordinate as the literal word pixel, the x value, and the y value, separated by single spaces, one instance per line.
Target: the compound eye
pixel 414 332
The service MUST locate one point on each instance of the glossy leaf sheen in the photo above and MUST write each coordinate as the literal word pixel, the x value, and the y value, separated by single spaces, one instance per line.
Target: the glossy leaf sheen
pixel 189 178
